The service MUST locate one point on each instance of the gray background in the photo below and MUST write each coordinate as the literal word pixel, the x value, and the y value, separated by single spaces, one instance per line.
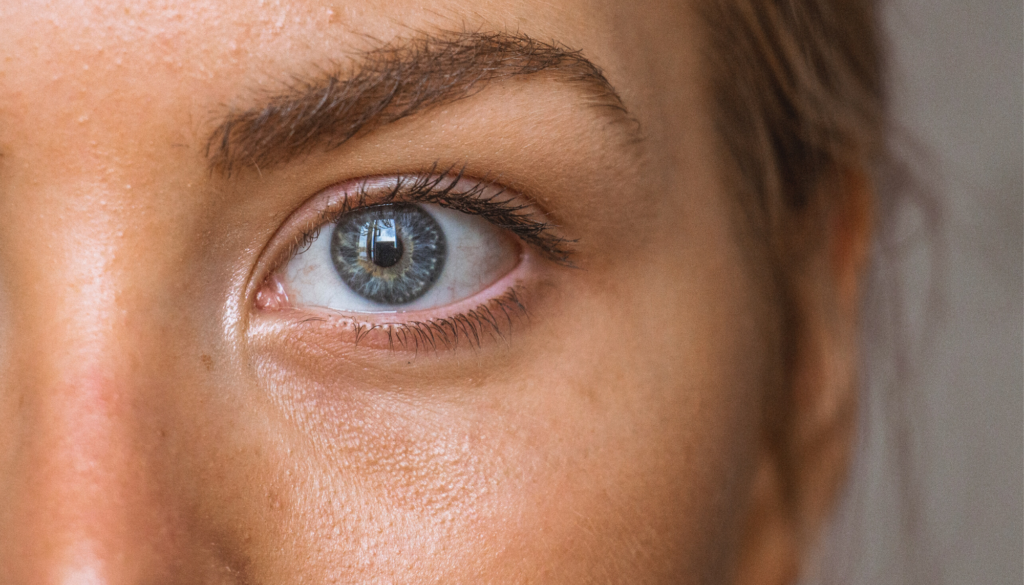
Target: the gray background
pixel 937 488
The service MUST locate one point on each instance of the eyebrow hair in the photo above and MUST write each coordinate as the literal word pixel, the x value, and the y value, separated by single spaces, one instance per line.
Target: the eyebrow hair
pixel 391 83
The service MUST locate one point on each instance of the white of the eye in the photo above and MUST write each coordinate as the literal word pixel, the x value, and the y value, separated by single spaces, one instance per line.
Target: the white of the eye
pixel 479 253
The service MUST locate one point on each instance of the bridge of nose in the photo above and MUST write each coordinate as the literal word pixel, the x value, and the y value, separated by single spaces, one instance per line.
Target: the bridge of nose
pixel 81 492
pixel 116 396
pixel 101 357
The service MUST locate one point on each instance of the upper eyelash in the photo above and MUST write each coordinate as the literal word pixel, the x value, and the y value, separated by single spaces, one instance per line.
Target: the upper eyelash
pixel 502 211
pixel 495 317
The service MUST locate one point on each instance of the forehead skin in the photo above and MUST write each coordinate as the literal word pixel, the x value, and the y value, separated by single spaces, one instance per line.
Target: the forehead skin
pixel 146 435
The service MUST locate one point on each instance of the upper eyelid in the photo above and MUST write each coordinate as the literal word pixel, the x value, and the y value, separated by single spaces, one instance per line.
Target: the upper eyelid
pixel 448 188
pixel 320 211
pixel 330 203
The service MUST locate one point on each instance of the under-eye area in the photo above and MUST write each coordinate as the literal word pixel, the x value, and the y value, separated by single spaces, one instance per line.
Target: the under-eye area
pixel 465 325
pixel 423 262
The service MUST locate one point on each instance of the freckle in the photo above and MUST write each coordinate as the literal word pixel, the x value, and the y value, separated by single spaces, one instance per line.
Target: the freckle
pixel 207 361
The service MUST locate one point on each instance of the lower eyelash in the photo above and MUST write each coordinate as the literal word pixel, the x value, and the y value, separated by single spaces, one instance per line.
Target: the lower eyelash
pixel 493 320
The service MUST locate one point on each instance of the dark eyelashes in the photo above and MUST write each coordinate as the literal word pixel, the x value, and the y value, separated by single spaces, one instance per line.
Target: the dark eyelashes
pixel 443 188
pixel 493 319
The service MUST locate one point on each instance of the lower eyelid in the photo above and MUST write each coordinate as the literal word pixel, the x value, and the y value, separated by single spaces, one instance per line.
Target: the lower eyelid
pixel 492 320
pixel 488 315
pixel 494 316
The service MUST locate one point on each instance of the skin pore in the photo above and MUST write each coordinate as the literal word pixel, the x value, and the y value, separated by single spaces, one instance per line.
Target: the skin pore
pixel 158 424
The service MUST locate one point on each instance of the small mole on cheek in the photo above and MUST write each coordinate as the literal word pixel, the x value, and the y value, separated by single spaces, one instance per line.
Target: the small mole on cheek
pixel 207 361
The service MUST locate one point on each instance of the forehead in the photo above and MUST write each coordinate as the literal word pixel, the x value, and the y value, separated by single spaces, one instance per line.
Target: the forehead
pixel 104 55
pixel 118 101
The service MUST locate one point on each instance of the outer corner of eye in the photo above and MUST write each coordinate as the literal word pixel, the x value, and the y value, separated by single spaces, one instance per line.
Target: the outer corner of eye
pixel 393 258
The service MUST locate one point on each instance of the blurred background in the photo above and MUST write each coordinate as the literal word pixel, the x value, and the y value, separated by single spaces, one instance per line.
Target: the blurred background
pixel 937 491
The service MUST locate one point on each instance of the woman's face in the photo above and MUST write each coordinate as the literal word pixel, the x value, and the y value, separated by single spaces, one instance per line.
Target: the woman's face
pixel 569 388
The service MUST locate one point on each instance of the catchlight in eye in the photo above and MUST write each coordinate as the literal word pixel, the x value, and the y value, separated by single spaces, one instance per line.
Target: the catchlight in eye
pixel 389 254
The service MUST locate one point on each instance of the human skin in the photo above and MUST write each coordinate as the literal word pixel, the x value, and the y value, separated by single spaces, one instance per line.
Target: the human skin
pixel 159 425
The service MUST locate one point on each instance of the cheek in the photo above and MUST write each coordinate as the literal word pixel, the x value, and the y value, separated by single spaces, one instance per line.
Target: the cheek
pixel 645 405
pixel 650 430
pixel 622 448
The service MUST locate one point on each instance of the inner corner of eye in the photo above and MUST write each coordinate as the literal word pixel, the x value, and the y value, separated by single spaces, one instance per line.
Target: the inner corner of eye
pixel 272 295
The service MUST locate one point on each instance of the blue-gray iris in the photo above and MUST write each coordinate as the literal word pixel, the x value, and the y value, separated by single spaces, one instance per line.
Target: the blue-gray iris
pixel 389 254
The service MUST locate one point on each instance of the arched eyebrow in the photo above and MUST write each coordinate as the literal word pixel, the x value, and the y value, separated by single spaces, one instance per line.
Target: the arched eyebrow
pixel 391 83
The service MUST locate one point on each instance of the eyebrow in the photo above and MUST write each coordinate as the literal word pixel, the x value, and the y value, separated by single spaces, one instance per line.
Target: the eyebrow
pixel 391 83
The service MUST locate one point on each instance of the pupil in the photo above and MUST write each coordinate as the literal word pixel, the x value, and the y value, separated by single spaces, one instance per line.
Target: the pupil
pixel 383 245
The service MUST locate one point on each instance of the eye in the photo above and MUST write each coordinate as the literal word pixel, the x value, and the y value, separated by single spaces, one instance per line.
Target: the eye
pixel 407 263
pixel 396 257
